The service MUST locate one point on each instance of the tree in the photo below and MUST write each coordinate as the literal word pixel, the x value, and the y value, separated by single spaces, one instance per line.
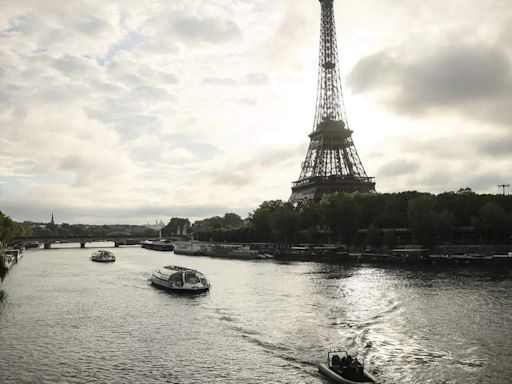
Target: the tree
pixel 176 226
pixel 9 229
pixel 284 223
pixel 232 220
pixel 495 222
pixel 421 219
pixel 341 214
pixel 261 219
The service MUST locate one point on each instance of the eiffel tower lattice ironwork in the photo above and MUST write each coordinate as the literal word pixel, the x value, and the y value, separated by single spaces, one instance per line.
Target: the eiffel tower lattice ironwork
pixel 332 163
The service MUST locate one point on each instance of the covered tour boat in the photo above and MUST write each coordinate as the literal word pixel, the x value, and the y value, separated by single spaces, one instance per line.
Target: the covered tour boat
pixel 103 256
pixel 180 279
pixel 158 245
pixel 342 368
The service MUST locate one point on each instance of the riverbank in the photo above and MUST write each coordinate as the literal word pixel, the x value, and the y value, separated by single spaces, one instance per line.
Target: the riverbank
pixel 11 257
pixel 459 256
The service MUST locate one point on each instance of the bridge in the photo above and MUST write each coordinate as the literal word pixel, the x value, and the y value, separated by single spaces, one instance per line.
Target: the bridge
pixel 117 239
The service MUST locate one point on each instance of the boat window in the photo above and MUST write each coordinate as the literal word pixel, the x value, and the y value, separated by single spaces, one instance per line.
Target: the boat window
pixel 191 278
pixel 175 278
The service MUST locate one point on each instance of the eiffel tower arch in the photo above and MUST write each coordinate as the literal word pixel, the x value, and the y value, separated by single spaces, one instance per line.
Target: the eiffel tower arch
pixel 332 163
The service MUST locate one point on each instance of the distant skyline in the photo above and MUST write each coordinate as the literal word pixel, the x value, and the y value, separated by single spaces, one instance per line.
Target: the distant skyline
pixel 123 111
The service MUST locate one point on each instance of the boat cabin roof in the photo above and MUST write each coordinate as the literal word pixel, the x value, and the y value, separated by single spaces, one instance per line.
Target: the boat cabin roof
pixel 169 270
pixel 102 252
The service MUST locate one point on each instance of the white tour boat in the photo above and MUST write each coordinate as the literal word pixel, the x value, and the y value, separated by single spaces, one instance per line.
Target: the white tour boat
pixel 180 279
pixel 103 256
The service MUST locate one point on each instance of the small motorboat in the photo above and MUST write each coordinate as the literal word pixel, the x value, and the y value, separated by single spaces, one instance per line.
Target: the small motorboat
pixel 342 368
pixel 103 256
pixel 180 279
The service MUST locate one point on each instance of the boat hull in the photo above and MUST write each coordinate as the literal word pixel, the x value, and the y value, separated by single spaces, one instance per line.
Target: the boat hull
pixel 179 290
pixel 233 255
pixel 323 368
pixel 158 247
pixel 187 252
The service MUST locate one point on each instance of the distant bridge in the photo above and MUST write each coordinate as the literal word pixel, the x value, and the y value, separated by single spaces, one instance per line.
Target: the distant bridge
pixel 117 239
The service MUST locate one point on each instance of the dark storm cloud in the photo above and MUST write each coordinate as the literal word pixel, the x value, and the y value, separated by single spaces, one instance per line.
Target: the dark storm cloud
pixel 474 80
pixel 211 30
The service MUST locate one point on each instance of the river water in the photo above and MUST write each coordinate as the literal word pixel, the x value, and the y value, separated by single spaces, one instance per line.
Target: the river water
pixel 69 320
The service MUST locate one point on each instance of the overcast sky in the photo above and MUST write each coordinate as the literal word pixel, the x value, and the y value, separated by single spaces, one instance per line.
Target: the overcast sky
pixel 131 111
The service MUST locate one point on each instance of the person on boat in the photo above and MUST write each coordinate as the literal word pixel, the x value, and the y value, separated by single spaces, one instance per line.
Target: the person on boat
pixel 335 361
pixel 343 361
pixel 349 361
pixel 358 368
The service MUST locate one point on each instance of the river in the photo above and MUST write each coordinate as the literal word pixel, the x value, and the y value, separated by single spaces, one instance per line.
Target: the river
pixel 69 320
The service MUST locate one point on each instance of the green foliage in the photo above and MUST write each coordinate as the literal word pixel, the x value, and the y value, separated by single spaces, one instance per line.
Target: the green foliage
pixel 388 218
pixel 176 226
pixel 495 223
pixel 377 220
pixel 263 220
pixel 341 213
pixel 9 229
pixel 79 230
pixel 427 224
pixel 232 220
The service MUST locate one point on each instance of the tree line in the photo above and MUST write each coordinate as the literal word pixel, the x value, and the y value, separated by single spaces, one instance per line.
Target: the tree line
pixel 49 230
pixel 363 220
pixel 375 220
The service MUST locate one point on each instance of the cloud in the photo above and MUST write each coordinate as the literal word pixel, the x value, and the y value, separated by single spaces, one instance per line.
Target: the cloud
pixel 257 78
pixel 217 81
pixel 397 167
pixel 495 146
pixel 209 30
pixel 472 79
pixel 207 104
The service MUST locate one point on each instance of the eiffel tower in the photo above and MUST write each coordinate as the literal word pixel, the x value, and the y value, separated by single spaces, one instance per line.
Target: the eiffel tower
pixel 332 163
